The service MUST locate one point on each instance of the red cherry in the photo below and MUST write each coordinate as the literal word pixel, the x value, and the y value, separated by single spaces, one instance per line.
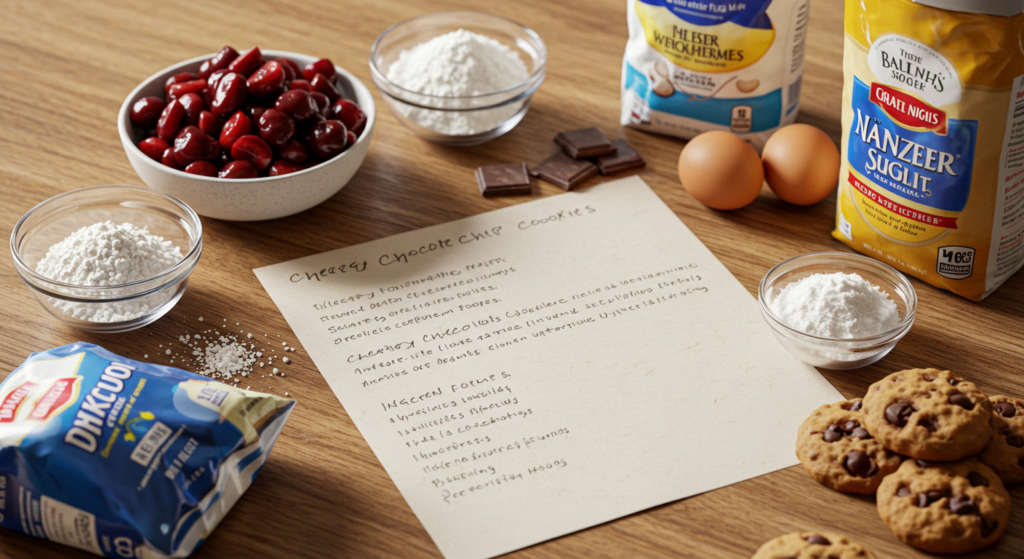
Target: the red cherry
pixel 283 168
pixel 291 69
pixel 238 169
pixel 323 103
pixel 171 120
pixel 209 123
pixel 255 112
pixel 294 152
pixel 204 168
pixel 300 84
pixel 297 104
pixel 178 78
pixel 153 147
pixel 192 144
pixel 350 114
pixel 322 66
pixel 247 62
pixel 181 88
pixel 276 127
pixel 218 61
pixel 268 81
pixel 193 106
pixel 146 111
pixel 254 150
pixel 351 136
pixel 214 79
pixel 327 139
pixel 168 159
pixel 237 126
pixel 230 95
pixel 324 85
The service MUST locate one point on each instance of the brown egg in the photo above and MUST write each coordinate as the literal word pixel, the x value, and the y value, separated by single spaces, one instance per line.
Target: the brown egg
pixel 721 170
pixel 801 164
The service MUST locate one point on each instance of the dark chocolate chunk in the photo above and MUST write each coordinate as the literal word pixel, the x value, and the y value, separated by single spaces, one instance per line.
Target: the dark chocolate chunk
pixel 962 504
pixel 961 399
pixel 954 381
pixel 624 159
pixel 1005 409
pixel 929 497
pixel 1016 441
pixel 832 434
pixel 927 464
pixel 860 433
pixel 860 464
pixel 927 424
pixel 818 539
pixel 504 179
pixel 898 412
pixel 856 405
pixel 986 528
pixel 850 425
pixel 564 171
pixel 585 142
pixel 977 480
pixel 904 491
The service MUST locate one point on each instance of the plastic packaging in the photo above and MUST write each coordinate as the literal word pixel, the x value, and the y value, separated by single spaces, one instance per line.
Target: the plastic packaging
pixel 124 458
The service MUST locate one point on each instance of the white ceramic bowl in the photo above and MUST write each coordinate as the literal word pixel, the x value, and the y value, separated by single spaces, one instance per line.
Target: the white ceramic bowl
pixel 88 308
pixel 838 353
pixel 248 199
pixel 429 116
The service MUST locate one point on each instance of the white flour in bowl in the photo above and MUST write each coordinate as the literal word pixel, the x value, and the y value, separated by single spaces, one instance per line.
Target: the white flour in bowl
pixel 836 306
pixel 458 64
pixel 106 254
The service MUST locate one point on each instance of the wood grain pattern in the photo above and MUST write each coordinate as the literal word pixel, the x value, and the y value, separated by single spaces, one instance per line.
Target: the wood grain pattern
pixel 66 66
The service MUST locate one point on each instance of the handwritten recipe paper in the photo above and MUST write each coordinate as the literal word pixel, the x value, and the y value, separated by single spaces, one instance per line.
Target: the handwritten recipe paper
pixel 539 369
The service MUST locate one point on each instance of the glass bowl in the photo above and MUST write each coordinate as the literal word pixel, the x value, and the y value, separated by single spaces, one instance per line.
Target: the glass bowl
pixel 442 119
pixel 116 308
pixel 838 353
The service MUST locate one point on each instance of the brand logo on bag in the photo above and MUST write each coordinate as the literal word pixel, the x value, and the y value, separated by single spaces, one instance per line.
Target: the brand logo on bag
pixel 907 110
pixel 10 405
pixel 912 66
pixel 56 398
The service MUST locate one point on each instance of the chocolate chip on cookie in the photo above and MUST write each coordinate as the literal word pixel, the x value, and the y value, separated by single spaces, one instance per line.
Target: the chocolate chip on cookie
pixel 838 452
pixel 812 544
pixel 945 507
pixel 928 414
pixel 1005 452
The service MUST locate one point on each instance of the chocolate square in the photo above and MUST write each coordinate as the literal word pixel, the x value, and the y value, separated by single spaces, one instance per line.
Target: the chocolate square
pixel 564 171
pixel 585 142
pixel 504 179
pixel 624 159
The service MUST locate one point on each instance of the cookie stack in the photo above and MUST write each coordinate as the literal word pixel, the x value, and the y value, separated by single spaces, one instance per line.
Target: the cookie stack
pixel 932 447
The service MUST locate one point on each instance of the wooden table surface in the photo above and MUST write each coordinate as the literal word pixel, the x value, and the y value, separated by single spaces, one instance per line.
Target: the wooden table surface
pixel 65 68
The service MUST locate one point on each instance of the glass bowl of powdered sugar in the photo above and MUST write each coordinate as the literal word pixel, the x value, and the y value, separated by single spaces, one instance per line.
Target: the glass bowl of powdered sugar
pixel 458 78
pixel 108 258
pixel 837 310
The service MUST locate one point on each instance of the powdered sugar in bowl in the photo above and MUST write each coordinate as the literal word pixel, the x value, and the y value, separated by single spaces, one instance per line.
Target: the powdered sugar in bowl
pixel 458 78
pixel 864 306
pixel 108 258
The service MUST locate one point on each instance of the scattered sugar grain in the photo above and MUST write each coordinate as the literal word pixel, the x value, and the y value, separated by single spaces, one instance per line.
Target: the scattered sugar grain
pixel 275 370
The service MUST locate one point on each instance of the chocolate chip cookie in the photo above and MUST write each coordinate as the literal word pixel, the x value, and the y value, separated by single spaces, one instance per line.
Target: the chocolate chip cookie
pixel 928 414
pixel 1005 452
pixel 945 507
pixel 838 451
pixel 812 545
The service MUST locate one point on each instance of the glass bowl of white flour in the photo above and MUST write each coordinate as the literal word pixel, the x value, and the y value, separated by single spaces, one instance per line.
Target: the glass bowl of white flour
pixel 837 310
pixel 458 78
pixel 108 258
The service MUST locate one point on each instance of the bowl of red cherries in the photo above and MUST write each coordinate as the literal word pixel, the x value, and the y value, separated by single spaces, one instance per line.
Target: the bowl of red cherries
pixel 250 135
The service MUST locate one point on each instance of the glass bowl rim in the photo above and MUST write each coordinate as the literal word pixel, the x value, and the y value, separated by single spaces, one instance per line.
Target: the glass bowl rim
pixel 825 257
pixel 537 75
pixel 165 277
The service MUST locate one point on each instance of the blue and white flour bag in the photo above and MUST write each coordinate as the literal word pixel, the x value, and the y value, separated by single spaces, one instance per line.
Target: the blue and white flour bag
pixel 694 66
pixel 124 458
